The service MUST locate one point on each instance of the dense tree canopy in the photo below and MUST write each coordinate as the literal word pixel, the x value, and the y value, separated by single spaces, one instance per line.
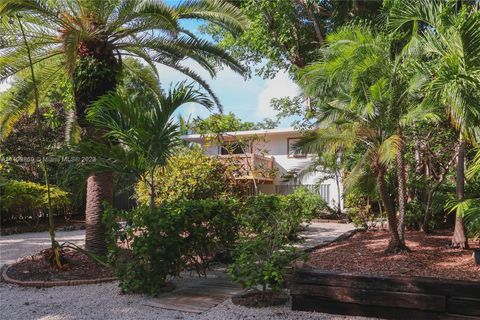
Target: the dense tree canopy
pixel 289 33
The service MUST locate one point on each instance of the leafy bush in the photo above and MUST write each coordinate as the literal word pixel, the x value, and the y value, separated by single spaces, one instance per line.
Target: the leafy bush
pixel 176 235
pixel 188 233
pixel 359 210
pixel 302 206
pixel 268 225
pixel 262 261
pixel 189 175
pixel 24 200
pixel 472 220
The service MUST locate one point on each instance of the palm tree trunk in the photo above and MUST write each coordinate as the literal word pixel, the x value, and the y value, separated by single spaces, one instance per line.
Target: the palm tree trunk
pixel 459 240
pixel 90 82
pixel 394 245
pixel 402 188
pixel 99 190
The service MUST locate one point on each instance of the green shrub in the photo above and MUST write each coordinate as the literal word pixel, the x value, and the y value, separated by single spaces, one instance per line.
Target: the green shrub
pixel 189 175
pixel 264 249
pixel 360 209
pixel 302 206
pixel 187 233
pixel 184 234
pixel 24 200
pixel 262 261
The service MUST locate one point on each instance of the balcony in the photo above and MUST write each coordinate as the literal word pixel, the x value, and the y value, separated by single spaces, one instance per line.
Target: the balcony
pixel 249 166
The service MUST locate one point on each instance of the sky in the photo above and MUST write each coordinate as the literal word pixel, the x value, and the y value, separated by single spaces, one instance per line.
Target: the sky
pixel 247 99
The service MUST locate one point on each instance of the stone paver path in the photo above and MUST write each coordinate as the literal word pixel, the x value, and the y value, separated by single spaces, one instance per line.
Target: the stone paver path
pixel 199 296
pixel 321 233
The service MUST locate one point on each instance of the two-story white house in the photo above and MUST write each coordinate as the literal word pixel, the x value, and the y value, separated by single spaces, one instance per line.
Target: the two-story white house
pixel 273 149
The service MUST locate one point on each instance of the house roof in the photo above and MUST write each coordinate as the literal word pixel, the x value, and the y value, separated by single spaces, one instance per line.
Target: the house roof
pixel 200 138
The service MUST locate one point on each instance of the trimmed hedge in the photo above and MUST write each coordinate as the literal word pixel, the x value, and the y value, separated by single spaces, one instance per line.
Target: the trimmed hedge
pixel 25 200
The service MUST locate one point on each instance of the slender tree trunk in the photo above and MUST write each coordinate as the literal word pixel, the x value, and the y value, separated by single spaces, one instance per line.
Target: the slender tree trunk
pixel 316 26
pixel 99 190
pixel 337 181
pixel 395 245
pixel 152 191
pixel 425 227
pixel 402 187
pixel 459 240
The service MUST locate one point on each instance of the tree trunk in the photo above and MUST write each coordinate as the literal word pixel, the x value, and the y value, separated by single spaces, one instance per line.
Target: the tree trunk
pixel 99 190
pixel 425 227
pixel 90 82
pixel 459 240
pixel 152 191
pixel 337 181
pixel 402 188
pixel 395 245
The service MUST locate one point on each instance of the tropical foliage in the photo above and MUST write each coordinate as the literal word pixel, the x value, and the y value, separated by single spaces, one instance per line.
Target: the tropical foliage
pixel 24 201
pixel 86 40
pixel 164 241
pixel 147 134
pixel 375 86
pixel 189 175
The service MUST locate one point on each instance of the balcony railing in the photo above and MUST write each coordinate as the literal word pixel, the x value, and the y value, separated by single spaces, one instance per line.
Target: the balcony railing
pixel 251 166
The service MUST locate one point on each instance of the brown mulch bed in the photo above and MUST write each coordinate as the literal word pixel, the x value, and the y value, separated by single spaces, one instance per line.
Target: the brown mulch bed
pixel 429 256
pixel 78 267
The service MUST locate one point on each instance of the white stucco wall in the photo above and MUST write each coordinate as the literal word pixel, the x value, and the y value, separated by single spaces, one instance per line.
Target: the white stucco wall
pixel 276 144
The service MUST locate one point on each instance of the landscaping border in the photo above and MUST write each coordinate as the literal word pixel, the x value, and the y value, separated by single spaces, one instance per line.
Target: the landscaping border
pixel 49 284
pixel 391 297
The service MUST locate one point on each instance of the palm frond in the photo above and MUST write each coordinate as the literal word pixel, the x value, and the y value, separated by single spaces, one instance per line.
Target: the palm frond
pixel 220 12
pixel 389 149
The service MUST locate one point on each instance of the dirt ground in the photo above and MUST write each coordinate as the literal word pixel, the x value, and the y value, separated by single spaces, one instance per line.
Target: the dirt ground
pixel 429 256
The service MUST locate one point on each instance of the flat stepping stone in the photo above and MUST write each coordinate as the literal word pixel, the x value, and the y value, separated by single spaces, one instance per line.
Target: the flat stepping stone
pixel 198 297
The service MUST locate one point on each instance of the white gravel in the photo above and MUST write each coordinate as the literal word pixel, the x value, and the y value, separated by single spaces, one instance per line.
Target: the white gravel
pixel 104 301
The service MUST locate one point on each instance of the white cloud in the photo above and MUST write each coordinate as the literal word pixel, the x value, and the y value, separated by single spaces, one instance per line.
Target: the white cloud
pixel 279 87
pixel 4 85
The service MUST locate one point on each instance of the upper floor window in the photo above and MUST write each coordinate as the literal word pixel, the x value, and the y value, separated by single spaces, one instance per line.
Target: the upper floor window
pixel 292 149
pixel 233 147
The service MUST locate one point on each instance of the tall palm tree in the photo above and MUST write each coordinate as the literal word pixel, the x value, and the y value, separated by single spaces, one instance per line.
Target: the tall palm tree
pixel 89 38
pixel 449 37
pixel 363 95
pixel 144 137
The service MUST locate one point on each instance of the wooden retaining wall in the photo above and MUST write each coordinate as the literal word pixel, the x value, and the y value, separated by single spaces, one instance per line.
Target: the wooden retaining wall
pixel 384 296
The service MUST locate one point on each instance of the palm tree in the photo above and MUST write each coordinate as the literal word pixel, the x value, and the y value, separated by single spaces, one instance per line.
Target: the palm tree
pixel 449 37
pixel 143 137
pixel 88 39
pixel 363 95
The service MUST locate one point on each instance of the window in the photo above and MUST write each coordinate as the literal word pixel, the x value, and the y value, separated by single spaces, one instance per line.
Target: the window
pixel 232 147
pixel 292 149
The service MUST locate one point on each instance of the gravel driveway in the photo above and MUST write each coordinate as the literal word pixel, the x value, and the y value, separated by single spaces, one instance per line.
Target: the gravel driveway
pixel 17 246
pixel 104 301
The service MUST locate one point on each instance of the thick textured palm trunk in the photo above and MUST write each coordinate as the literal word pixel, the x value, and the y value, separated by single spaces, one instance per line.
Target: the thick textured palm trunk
pixel 459 240
pixel 402 188
pixel 395 244
pixel 90 83
pixel 99 191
